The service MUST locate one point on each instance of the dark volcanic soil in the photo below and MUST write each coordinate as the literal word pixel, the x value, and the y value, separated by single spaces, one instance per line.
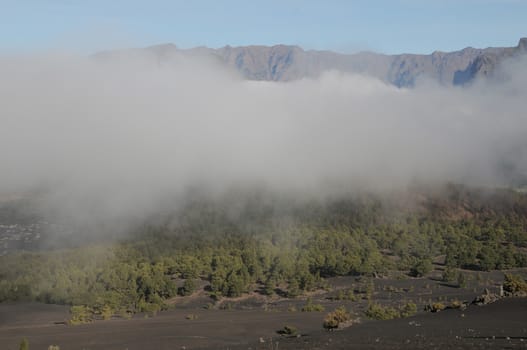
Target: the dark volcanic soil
pixel 502 325
pixel 169 330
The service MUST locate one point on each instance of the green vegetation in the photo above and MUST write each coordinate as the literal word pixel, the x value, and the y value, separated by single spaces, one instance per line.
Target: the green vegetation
pixel 461 280
pixel 408 309
pixel 456 304
pixel 24 344
pixel 514 284
pixel 421 267
pixel 310 307
pixel 189 287
pixel 273 245
pixel 80 314
pixel 292 308
pixel 288 331
pixel 379 312
pixel 435 307
pixel 452 275
pixel 334 319
pixel 345 295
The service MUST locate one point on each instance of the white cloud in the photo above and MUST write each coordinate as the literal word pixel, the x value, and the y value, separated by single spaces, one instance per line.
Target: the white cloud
pixel 121 135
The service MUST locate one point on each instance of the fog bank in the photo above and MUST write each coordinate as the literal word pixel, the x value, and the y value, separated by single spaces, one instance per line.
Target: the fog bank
pixel 118 137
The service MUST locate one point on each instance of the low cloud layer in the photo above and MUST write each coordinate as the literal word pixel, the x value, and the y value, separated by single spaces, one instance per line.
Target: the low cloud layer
pixel 123 134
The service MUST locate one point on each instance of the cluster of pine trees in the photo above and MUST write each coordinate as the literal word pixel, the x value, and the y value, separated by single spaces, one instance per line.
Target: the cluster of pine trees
pixel 262 248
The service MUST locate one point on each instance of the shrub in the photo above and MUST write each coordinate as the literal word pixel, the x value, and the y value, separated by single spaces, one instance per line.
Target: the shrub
pixel 345 295
pixel 330 323
pixel 80 314
pixel 149 308
pixel 310 307
pixel 268 288
pixel 189 287
pixel 408 309
pixel 461 280
pixel 435 307
pixel 421 268
pixel 288 331
pixel 334 319
pixel 370 290
pixel 293 289
pixel 379 312
pixel 106 312
pixel 226 306
pixel 514 284
pixel 456 304
pixel 449 274
pixel 24 344
pixel 127 315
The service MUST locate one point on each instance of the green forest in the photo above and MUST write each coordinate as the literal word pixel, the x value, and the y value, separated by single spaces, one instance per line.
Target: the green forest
pixel 273 245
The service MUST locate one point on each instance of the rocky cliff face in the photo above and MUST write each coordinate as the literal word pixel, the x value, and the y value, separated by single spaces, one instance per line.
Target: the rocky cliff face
pixel 285 63
pixel 485 65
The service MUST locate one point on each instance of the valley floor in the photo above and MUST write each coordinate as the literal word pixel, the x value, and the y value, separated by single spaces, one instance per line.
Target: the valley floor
pixel 249 324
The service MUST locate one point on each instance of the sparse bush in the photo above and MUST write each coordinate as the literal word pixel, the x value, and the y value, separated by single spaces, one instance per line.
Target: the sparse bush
pixel 125 314
pixel 24 344
pixel 449 274
pixel 150 308
pixel 514 284
pixel 461 280
pixel 334 319
pixel 53 347
pixel 379 312
pixel 435 307
pixel 226 306
pixel 80 315
pixel 106 312
pixel 310 307
pixel 191 317
pixel 268 288
pixel 288 331
pixel 421 267
pixel 456 304
pixel 408 309
pixel 293 289
pixel 345 295
pixel 370 289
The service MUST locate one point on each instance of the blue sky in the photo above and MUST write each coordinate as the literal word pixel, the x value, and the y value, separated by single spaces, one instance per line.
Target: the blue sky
pixel 389 26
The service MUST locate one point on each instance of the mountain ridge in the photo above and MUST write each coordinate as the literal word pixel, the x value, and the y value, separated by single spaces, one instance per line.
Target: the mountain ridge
pixel 290 62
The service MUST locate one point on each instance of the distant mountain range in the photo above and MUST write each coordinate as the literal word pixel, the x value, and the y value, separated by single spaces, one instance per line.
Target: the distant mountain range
pixel 286 63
